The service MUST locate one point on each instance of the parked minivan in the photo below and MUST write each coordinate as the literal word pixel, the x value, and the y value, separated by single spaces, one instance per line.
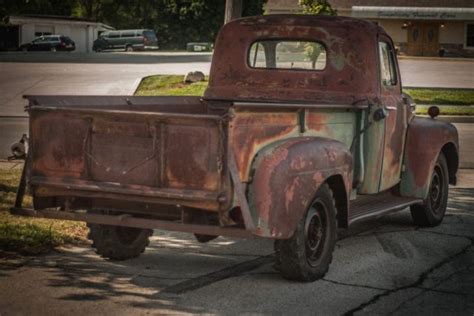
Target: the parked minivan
pixel 129 40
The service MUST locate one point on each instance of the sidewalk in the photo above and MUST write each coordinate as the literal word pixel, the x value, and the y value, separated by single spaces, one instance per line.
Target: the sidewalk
pixel 468 59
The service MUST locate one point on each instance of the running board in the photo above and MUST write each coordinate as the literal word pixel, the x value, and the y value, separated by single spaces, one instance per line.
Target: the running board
pixel 373 206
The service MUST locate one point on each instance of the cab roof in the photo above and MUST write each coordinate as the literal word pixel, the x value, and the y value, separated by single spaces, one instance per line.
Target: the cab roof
pixel 351 71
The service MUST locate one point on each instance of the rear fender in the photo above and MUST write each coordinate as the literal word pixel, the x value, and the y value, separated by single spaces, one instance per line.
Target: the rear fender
pixel 287 175
pixel 426 139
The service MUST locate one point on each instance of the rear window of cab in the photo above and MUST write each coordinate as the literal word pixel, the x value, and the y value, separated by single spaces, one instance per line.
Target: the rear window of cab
pixel 287 54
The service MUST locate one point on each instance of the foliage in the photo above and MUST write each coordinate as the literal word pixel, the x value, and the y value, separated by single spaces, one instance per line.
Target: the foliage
pixel 317 7
pixel 176 22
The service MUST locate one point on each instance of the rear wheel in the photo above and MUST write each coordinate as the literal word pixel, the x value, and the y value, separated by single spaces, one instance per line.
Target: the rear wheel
pixel 432 211
pixel 307 254
pixel 118 242
pixel 129 48
pixel 53 49
pixel 24 49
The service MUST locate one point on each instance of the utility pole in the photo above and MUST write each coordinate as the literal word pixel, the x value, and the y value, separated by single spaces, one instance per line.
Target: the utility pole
pixel 233 10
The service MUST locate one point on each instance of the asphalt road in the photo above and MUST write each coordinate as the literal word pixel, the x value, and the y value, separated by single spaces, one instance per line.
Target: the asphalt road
pixel 120 73
pixel 379 267
pixel 84 74
pixel 452 73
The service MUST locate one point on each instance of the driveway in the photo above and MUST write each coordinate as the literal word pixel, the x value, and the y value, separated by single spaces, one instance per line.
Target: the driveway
pixel 379 267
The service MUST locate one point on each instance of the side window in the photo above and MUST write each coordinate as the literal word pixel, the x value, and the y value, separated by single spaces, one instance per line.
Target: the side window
pixel 128 34
pixel 388 70
pixel 114 35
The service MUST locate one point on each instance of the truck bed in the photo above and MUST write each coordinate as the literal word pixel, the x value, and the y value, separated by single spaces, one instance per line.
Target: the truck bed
pixel 100 150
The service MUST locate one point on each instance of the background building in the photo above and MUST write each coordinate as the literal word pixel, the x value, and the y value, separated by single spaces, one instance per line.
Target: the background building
pixel 418 27
pixel 23 29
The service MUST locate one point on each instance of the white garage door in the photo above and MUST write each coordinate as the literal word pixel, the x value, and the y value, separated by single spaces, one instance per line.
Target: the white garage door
pixel 79 36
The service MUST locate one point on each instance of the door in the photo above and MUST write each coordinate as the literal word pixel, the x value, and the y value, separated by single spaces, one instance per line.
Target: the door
pixel 423 39
pixel 396 115
pixel 431 39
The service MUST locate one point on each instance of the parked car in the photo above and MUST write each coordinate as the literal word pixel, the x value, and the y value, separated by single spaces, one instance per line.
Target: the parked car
pixel 50 43
pixel 128 40
pixel 283 145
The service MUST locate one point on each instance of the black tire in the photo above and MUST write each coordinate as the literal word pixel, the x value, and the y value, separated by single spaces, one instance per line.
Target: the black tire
pixel 432 211
pixel 306 256
pixel 117 242
pixel 204 238
pixel 53 49
pixel 129 48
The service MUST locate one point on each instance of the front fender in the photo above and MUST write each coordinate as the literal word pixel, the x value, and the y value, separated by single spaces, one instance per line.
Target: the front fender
pixel 287 175
pixel 425 140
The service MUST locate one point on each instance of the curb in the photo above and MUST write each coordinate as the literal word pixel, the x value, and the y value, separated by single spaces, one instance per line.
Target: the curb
pixel 134 87
pixel 437 88
pixel 457 118
pixel 436 58
pixel 453 118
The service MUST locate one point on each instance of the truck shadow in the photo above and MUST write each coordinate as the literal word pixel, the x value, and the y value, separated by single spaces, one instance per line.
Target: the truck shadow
pixel 175 264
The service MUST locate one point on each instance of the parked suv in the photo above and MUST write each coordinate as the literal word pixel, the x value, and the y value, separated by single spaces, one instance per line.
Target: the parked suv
pixel 129 40
pixel 50 43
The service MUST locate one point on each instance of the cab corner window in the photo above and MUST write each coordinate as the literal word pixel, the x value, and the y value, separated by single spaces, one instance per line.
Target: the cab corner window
pixel 388 73
pixel 287 54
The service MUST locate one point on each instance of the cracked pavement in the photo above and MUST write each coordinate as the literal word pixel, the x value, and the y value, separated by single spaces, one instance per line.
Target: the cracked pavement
pixel 384 266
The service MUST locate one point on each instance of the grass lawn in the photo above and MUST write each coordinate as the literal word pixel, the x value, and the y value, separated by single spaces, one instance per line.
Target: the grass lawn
pixel 442 96
pixel 31 235
pixel 169 85
pixel 457 99
pixel 447 110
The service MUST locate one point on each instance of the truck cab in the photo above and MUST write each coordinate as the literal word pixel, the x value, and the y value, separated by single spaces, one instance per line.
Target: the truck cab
pixel 302 130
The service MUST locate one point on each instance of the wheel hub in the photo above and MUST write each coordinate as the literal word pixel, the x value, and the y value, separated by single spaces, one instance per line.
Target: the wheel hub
pixel 436 190
pixel 315 229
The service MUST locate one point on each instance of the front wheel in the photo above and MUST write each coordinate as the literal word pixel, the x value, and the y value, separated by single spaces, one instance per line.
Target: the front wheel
pixel 431 212
pixel 117 242
pixel 53 49
pixel 306 256
pixel 129 48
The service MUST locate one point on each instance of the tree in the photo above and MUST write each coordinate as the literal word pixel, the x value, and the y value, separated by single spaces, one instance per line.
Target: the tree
pixel 176 22
pixel 315 7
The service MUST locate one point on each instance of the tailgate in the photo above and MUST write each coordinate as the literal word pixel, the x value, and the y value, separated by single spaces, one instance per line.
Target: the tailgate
pixel 166 149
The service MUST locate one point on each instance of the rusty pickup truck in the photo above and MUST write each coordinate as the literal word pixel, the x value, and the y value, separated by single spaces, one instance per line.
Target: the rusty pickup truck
pixel 303 130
